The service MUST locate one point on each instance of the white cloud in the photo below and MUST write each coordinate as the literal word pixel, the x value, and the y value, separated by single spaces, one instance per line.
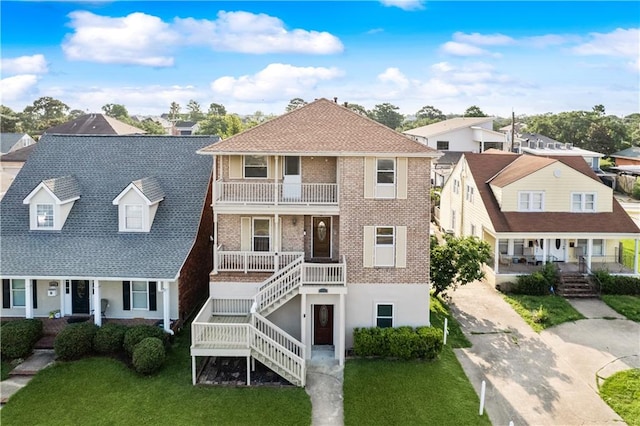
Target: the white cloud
pixel 549 40
pixel 17 87
pixel 404 4
pixel 393 75
pixel 620 42
pixel 275 82
pixel 442 67
pixel 483 39
pixel 463 49
pixel 138 39
pixel 34 64
pixel 255 33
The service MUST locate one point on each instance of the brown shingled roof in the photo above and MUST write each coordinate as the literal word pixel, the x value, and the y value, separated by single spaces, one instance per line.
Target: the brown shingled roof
pixel 484 166
pixel 520 167
pixel 320 127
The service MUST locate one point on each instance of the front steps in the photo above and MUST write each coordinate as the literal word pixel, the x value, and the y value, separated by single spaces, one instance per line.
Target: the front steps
pixel 576 285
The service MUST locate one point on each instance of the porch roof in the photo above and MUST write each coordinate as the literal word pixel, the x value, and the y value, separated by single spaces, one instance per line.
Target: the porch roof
pixel 484 167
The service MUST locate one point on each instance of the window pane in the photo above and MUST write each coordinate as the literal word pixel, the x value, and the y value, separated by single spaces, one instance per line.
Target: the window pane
pixel 255 166
pixel 384 236
pixel 133 217
pixel 524 201
pixel 385 165
pixel 261 227
pixel 44 214
pixel 139 285
pixel 385 310
pixel 261 244
pixel 385 177
pixel 384 322
pixel 19 293
pixel 139 300
pixel 255 160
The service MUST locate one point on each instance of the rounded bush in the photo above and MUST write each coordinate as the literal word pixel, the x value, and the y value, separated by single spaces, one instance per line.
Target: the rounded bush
pixel 75 341
pixel 17 338
pixel 109 338
pixel 148 355
pixel 137 333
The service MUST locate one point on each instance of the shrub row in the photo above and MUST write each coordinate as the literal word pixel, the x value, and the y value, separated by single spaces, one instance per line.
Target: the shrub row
pixel 401 342
pixel 83 339
pixel 17 338
pixel 537 284
pixel 616 284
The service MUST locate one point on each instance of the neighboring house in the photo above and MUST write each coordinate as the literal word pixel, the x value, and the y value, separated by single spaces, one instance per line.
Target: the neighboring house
pixel 10 165
pixel 14 141
pixel 461 134
pixel 443 166
pixel 121 218
pixel 627 157
pixel 533 209
pixel 321 224
pixel 166 124
pixel 95 124
pixel 186 128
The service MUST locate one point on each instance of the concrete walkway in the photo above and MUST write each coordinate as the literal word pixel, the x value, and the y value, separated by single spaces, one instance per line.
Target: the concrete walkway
pixel 324 387
pixel 22 374
pixel 547 378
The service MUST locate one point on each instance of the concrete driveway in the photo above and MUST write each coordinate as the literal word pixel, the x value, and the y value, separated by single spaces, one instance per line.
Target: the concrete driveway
pixel 549 378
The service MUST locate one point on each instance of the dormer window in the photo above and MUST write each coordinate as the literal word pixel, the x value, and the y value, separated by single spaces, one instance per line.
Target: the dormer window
pixel 137 205
pixel 51 202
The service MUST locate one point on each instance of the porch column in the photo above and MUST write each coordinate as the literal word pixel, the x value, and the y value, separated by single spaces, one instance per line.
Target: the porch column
pixel 635 256
pixel 342 332
pixel 275 182
pixel 166 306
pixel 28 303
pixel 214 179
pixel 62 291
pixel 496 256
pixel 215 242
pixel 276 241
pixel 589 252
pixel 97 306
pixel 303 324
pixel 545 247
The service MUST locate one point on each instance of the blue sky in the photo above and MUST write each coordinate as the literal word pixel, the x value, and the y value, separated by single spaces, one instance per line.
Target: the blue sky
pixel 526 57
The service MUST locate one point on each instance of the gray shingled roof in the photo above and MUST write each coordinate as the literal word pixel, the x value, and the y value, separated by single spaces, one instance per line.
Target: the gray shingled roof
pixel 150 188
pixel 89 244
pixel 7 140
pixel 95 124
pixel 64 188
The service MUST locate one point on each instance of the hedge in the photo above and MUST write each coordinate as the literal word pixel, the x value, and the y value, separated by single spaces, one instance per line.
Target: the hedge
pixel 617 284
pixel 537 284
pixel 75 341
pixel 402 342
pixel 135 334
pixel 109 338
pixel 17 338
pixel 149 355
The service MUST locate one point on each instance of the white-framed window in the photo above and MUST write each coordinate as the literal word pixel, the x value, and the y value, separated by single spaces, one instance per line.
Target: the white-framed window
pixel 597 247
pixel 469 194
pixel 518 247
pixel 385 178
pixel 456 186
pixel 453 220
pixel 133 217
pixel 583 202
pixel 473 230
pixel 384 315
pixel 255 166
pixel 503 246
pixel 44 215
pixel 442 145
pixel 385 246
pixel 531 201
pixel 139 295
pixel 261 237
pixel 18 293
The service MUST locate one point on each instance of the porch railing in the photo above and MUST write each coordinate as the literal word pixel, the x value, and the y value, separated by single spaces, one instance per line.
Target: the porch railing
pixel 254 261
pixel 276 193
pixel 324 273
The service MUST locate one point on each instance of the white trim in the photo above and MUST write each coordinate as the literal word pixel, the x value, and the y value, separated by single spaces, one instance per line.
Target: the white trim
pixel 126 216
pixel 583 202
pixel 41 185
pixel 529 207
pixel 391 246
pixel 382 188
pixel 42 225
pixel 146 292
pixel 12 290
pixel 133 187
pixel 253 235
pixel 244 166
pixel 376 304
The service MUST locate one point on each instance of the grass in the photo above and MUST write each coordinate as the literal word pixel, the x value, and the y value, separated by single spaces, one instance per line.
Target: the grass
pixel 622 392
pixel 542 312
pixel 5 368
pixel 101 391
pixel 629 306
pixel 389 392
pixel 628 253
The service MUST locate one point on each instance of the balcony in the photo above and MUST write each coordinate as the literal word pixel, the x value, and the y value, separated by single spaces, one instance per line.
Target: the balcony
pixel 266 193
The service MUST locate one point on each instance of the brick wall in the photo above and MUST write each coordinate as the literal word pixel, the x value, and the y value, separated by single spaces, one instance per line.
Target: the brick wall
pixel 193 287
pixel 319 169
pixel 357 212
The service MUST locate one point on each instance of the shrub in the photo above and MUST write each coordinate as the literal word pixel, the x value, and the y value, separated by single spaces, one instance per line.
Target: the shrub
pixel 149 355
pixel 616 284
pixel 635 192
pixel 17 338
pixel 109 338
pixel 401 342
pixel 137 333
pixel 540 315
pixel 537 284
pixel 75 341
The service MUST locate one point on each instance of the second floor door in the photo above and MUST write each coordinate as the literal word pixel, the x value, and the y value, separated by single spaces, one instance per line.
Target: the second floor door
pixel 292 179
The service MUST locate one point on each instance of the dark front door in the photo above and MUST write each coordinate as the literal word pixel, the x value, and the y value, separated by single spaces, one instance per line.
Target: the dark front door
pixel 80 296
pixel 323 324
pixel 321 237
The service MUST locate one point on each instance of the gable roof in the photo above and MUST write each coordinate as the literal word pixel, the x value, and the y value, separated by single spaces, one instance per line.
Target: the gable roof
pixel 8 140
pixel 483 167
pixel 520 167
pixel 149 187
pixel 631 153
pixel 321 127
pixel 64 188
pixel 95 124
pixel 188 124
pixel 90 244
pixel 445 126
pixel 19 155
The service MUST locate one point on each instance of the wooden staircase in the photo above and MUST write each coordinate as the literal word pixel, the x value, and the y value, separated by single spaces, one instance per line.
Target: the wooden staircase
pixel 576 285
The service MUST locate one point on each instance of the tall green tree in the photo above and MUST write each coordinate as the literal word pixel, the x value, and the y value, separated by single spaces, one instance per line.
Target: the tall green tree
pixel 216 109
pixel 195 111
pixel 223 126
pixel 152 127
pixel 117 111
pixel 76 113
pixel 9 120
pixel 457 261
pixel 45 112
pixel 174 111
pixel 387 114
pixel 295 103
pixel 474 111
pixel 357 108
pixel 430 112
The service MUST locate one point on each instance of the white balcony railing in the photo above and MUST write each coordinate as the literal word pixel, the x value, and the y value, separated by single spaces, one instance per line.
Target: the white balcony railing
pixel 253 261
pixel 324 273
pixel 275 193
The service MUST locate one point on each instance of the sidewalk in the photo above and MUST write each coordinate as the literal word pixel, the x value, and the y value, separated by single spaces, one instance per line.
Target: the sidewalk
pixel 538 379
pixel 324 387
pixel 22 374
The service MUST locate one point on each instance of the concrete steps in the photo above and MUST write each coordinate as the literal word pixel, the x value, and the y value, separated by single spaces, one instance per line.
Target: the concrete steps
pixel 576 285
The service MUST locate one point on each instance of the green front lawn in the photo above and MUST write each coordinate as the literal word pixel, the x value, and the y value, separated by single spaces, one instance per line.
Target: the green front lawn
pixel 629 306
pixel 622 392
pixel 628 254
pixel 542 312
pixel 101 391
pixel 389 392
